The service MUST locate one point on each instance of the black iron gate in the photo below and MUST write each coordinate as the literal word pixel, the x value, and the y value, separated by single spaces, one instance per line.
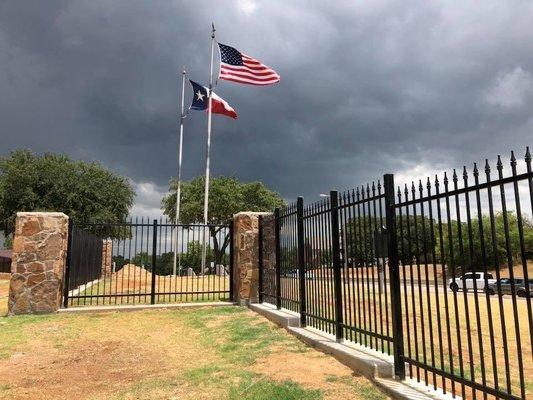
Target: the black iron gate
pixel 147 262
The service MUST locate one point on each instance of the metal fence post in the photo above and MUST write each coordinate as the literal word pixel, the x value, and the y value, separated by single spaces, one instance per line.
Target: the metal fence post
pixel 278 258
pixel 336 250
pixel 394 276
pixel 66 279
pixel 154 258
pixel 260 266
pixel 231 278
pixel 301 259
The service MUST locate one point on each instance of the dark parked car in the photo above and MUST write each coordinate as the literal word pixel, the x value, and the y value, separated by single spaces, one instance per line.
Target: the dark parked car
pixel 507 287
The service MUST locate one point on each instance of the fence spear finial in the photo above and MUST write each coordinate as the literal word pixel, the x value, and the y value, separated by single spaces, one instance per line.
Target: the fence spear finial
pixel 513 159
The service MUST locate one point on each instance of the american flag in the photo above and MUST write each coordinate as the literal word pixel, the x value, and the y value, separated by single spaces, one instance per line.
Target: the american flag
pixel 238 67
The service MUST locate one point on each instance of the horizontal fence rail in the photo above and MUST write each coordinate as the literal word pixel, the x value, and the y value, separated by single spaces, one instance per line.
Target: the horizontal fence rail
pixel 147 262
pixel 436 273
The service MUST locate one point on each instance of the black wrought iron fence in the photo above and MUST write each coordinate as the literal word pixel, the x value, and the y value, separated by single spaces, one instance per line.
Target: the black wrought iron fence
pixel 320 309
pixel 436 273
pixel 288 259
pixel 142 261
pixel 5 264
pixel 86 260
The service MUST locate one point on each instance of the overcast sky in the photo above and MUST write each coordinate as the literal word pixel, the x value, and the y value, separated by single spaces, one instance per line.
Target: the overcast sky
pixel 367 87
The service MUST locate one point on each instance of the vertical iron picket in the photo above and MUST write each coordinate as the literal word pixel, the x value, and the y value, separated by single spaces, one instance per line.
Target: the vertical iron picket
pixel 335 248
pixel 394 276
pixel 261 264
pixel 278 259
pixel 301 260
pixel 66 280
pixel 154 256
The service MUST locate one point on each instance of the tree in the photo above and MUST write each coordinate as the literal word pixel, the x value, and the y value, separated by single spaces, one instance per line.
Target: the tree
pixel 119 261
pixel 467 254
pixel 86 192
pixel 142 259
pixel 227 196
pixel 415 239
pixel 193 257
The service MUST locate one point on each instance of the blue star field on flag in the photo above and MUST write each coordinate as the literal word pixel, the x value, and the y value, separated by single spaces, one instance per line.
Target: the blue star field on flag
pixel 200 97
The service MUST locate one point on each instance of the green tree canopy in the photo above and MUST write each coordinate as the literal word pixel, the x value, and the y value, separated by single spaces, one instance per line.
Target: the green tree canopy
pixel 472 254
pixel 86 192
pixel 227 196
pixel 420 240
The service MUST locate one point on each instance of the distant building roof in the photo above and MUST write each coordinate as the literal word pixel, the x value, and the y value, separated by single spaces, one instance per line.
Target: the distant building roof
pixel 6 253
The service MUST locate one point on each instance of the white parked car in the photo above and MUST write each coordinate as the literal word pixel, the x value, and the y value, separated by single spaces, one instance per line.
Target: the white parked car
pixel 466 282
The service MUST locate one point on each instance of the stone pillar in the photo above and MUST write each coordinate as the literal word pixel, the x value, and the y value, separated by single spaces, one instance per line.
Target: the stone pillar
pixel 269 258
pixel 246 257
pixel 107 259
pixel 37 268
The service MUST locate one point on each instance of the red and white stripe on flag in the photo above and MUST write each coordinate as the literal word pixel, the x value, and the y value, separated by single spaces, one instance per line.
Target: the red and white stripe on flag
pixel 251 72
pixel 238 67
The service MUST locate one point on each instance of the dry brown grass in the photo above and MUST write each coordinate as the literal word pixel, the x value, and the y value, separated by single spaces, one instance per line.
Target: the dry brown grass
pixel 4 288
pixel 135 284
pixel 195 354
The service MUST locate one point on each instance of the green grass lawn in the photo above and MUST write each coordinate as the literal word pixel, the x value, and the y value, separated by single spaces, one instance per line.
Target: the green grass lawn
pixel 208 353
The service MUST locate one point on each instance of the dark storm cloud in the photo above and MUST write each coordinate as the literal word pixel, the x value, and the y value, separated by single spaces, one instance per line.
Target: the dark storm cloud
pixel 367 87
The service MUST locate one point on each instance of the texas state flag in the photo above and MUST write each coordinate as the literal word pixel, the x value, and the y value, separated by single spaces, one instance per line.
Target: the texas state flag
pixel 200 101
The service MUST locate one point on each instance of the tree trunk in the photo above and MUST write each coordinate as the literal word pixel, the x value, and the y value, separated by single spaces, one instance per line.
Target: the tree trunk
pixel 218 251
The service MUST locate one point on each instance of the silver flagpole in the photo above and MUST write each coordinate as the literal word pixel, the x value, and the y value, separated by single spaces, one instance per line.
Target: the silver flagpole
pixel 178 189
pixel 208 151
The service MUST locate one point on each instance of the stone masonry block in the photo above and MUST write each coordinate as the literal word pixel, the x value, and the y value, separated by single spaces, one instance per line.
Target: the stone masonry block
pixel 39 255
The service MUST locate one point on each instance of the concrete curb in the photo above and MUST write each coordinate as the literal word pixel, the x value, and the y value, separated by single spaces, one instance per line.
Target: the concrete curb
pixel 379 368
pixel 283 318
pixel 102 309
pixel 363 362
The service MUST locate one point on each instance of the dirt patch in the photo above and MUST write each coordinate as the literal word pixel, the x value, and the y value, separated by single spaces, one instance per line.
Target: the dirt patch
pixel 83 368
pixel 311 368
